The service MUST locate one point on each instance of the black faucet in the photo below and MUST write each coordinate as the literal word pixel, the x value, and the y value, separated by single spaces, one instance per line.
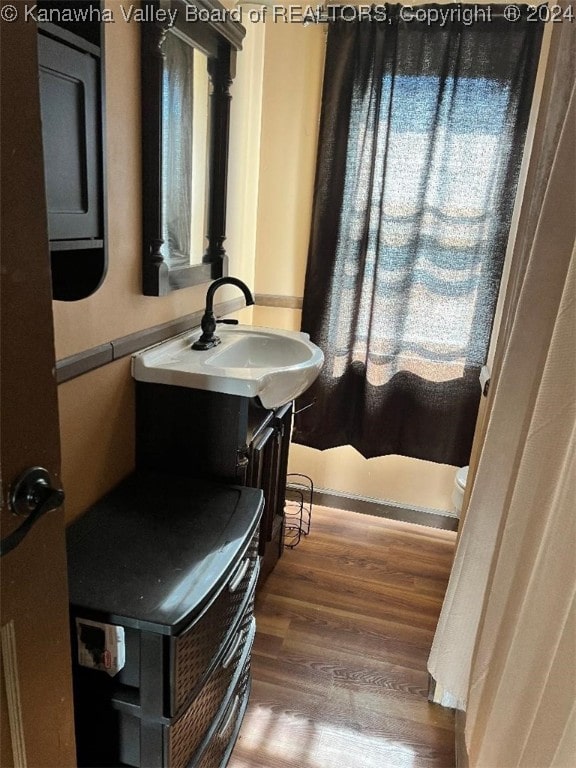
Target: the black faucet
pixel 208 324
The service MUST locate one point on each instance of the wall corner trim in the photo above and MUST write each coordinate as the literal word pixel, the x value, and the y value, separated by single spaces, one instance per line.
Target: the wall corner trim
pixel 406 513
pixel 75 365
pixel 88 360
pixel 274 300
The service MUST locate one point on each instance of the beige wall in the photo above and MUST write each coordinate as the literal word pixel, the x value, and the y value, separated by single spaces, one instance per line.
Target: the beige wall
pixel 244 160
pixel 293 70
pixel 96 410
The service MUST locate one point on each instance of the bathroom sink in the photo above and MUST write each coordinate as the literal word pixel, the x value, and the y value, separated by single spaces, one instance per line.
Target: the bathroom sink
pixel 275 366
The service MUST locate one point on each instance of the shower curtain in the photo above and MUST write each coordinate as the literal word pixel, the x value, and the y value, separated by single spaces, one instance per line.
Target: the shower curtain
pixel 505 644
pixel 421 139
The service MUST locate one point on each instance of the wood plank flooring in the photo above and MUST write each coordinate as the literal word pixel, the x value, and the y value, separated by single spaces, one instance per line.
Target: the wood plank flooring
pixel 344 627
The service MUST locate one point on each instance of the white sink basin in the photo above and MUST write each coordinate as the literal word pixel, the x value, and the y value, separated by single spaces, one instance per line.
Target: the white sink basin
pixel 275 366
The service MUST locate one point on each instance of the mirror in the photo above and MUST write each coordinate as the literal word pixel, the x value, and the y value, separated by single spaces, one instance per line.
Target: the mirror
pixel 187 69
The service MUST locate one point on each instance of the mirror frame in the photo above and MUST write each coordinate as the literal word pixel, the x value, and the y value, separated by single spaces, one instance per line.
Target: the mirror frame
pixel 219 37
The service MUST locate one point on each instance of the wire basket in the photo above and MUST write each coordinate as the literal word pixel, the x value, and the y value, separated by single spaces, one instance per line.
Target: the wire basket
pixel 298 508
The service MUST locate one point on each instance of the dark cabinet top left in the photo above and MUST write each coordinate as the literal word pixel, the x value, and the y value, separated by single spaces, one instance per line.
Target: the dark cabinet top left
pixel 154 551
pixel 71 97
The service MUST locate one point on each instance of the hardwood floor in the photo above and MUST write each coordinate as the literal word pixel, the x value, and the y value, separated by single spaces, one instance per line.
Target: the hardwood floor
pixel 344 627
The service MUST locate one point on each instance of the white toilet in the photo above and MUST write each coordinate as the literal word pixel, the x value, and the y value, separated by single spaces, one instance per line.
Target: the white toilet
pixel 459 487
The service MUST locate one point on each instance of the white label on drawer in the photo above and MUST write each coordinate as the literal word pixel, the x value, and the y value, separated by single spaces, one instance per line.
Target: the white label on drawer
pixel 100 646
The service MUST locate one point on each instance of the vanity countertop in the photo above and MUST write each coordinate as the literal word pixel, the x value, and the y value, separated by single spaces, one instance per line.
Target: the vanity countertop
pixel 152 552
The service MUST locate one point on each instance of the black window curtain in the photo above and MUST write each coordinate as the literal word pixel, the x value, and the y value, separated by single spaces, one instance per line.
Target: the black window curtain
pixel 421 138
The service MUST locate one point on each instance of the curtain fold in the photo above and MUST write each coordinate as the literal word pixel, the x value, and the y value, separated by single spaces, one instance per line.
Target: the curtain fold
pixel 421 139
pixel 506 640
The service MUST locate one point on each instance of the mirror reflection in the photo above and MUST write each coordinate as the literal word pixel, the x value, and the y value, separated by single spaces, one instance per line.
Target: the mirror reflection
pixel 185 145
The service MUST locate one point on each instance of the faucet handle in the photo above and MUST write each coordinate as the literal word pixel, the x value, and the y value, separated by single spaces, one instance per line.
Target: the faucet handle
pixel 228 321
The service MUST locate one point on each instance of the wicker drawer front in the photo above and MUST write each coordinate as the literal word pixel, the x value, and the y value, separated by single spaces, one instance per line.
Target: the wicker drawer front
pixel 195 650
pixel 217 753
pixel 187 733
pixel 151 744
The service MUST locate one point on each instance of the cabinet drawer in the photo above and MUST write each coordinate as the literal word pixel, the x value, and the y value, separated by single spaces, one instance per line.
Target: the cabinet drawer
pixel 147 744
pixel 187 734
pixel 220 745
pixel 194 652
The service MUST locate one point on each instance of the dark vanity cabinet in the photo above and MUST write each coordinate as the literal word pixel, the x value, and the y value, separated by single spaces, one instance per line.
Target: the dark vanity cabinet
pixel 162 576
pixel 225 437
pixel 267 469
